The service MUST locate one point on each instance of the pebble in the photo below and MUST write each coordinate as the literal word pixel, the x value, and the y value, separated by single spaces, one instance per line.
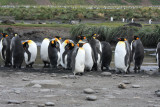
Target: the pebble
pixel 88 91
pixel 157 93
pixel 13 102
pixel 49 104
pixel 108 74
pixel 53 75
pixel 128 75
pixel 91 98
pixel 37 86
pixel 122 86
pixel 17 91
pixel 136 86
pixel 25 79
pixel 126 82
pixel 45 90
pixel 41 105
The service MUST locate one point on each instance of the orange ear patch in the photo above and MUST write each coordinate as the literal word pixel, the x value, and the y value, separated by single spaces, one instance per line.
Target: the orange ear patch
pixel 137 38
pixel 84 38
pixel 52 42
pixel 78 45
pixel 125 39
pixel 72 45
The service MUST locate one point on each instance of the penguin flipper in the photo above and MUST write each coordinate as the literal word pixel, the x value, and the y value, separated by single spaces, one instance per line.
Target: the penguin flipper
pixel 63 56
pixel 29 54
pixel 3 52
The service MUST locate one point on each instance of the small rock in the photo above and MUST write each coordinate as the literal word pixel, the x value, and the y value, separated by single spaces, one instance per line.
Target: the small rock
pixel 66 76
pixel 122 86
pixel 88 91
pixel 108 74
pixel 14 102
pixel 157 93
pixel 45 90
pixel 37 86
pixel 49 104
pixel 41 105
pixel 126 82
pixel 53 75
pixel 25 79
pixel 128 75
pixel 91 98
pixel 17 91
pixel 136 86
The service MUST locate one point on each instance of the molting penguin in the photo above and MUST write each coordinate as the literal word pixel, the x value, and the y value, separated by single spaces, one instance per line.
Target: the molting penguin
pixel 44 52
pixel 67 55
pixel 89 55
pixel 122 55
pixel 106 55
pixel 78 59
pixel 54 52
pixel 137 53
pixel 5 49
pixel 158 55
pixel 17 51
pixel 97 50
pixel 30 53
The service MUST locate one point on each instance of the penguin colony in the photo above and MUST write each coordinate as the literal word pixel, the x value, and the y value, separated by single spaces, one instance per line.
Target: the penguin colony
pixel 79 57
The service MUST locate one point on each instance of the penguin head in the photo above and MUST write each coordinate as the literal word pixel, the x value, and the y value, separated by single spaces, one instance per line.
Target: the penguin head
pixel 95 36
pixel 25 45
pixel 66 41
pixel 54 43
pixel 81 37
pixel 122 39
pixel 58 37
pixel 69 46
pixel 4 35
pixel 80 44
pixel 135 37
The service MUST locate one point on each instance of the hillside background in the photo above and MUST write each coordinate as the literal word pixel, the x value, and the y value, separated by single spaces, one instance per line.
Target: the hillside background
pixel 80 2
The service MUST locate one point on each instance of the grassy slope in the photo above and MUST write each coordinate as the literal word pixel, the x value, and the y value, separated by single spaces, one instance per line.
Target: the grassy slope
pixel 78 2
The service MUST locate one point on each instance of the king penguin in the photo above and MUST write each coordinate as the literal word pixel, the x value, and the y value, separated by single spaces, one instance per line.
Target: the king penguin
pixel 89 55
pixel 122 55
pixel 54 52
pixel 67 55
pixel 97 50
pixel 5 50
pixel 106 55
pixel 158 55
pixel 137 53
pixel 17 51
pixel 30 53
pixel 44 52
pixel 78 59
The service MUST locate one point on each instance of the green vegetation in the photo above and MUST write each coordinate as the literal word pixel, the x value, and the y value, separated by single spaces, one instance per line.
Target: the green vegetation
pixel 149 35
pixel 70 13
pixel 78 2
pixel 17 2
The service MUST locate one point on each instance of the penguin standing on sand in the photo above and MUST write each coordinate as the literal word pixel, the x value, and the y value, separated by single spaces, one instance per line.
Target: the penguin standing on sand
pixel 158 55
pixel 17 51
pixel 106 55
pixel 44 52
pixel 78 59
pixel 67 55
pixel 122 55
pixel 97 50
pixel 30 53
pixel 54 52
pixel 5 49
pixel 137 53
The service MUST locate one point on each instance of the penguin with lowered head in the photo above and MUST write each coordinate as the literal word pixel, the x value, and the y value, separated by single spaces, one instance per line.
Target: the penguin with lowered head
pixel 44 52
pixel 54 52
pixel 30 52
pixel 122 55
pixel 17 51
pixel 78 59
pixel 137 53
pixel 106 55
pixel 5 49
pixel 97 51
